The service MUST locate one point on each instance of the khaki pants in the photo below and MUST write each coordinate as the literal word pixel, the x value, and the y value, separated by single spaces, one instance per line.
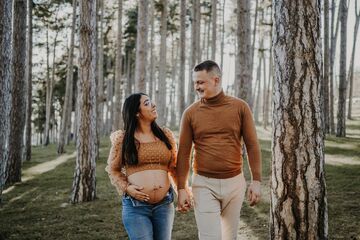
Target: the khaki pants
pixel 217 206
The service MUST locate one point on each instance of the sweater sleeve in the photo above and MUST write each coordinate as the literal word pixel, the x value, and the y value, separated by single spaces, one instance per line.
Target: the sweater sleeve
pixel 251 142
pixel 173 162
pixel 114 167
pixel 185 145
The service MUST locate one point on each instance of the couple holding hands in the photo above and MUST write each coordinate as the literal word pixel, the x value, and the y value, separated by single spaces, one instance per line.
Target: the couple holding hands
pixel 146 167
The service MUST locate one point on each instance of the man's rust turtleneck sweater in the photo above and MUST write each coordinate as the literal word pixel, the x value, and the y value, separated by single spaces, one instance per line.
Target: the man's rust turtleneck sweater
pixel 216 127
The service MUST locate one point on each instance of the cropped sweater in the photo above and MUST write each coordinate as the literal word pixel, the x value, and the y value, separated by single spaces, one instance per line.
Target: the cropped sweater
pixel 151 155
pixel 216 127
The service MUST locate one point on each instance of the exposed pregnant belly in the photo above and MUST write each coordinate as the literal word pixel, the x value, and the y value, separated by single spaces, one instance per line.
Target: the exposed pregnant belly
pixel 156 183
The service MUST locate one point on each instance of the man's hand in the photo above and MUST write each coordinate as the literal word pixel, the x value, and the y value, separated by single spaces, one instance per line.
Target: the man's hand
pixel 253 193
pixel 184 201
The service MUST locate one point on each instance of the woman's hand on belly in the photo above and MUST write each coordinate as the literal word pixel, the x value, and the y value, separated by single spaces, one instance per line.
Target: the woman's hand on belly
pixel 136 192
pixel 154 185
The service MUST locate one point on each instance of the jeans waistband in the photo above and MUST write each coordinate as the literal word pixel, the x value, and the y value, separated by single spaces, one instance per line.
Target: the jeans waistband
pixel 169 198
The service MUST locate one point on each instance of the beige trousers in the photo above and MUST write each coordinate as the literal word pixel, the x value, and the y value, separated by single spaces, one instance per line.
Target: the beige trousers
pixel 217 205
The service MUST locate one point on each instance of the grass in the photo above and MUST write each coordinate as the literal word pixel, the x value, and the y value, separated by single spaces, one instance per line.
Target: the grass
pixel 40 209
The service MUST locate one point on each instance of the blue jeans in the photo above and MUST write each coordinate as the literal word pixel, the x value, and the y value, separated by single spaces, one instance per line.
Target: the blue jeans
pixel 148 221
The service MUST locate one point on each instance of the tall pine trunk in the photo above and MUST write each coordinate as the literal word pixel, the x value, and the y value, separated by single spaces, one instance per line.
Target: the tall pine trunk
pixel 351 69
pixel 100 75
pixel 117 123
pixel 244 75
pixel 68 87
pixel 161 99
pixel 18 108
pixel 326 68
pixel 214 28
pixel 141 47
pixel 341 114
pixel 5 86
pixel 28 74
pixel 181 83
pixel 298 192
pixel 84 184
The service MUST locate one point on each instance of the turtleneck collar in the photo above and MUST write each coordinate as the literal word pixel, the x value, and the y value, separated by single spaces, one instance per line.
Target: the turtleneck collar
pixel 215 100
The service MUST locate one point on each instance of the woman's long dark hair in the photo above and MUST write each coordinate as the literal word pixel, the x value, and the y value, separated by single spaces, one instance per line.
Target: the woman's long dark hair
pixel 130 146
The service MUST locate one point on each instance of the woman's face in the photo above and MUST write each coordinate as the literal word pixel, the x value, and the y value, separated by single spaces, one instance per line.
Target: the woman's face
pixel 147 110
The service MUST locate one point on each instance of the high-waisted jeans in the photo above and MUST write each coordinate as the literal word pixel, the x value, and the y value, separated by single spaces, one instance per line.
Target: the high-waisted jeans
pixel 148 221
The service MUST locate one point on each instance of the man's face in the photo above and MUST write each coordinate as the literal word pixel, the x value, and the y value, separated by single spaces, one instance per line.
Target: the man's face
pixel 206 84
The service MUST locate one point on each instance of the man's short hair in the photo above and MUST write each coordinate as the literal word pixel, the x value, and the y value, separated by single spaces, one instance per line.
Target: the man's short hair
pixel 208 66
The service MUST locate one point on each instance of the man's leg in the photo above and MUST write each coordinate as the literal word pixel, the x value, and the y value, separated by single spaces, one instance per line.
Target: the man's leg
pixel 207 208
pixel 233 191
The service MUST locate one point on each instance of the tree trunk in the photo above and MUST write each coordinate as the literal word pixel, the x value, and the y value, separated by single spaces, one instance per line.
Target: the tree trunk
pixel 194 50
pixel 18 108
pixel 254 36
pixel 152 58
pixel 28 74
pixel 332 60
pixel 141 47
pixel 298 191
pixel 161 99
pixel 84 184
pixel 326 67
pixel 69 80
pixel 351 70
pixel 5 87
pixel 341 114
pixel 222 36
pixel 117 123
pixel 214 29
pixel 244 75
pixel 181 83
pixel 100 93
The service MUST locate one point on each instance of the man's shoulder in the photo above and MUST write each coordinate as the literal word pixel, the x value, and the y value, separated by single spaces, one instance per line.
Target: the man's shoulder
pixel 190 109
pixel 237 101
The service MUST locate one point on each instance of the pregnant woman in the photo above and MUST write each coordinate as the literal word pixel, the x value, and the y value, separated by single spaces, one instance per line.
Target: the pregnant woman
pixel 141 163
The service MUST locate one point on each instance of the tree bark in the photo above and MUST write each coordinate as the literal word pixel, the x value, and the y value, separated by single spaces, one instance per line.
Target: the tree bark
pixel 152 57
pixel 5 86
pixel 341 114
pixel 222 36
pixel 326 67
pixel 84 184
pixel 214 28
pixel 100 93
pixel 161 99
pixel 141 47
pixel 28 74
pixel 69 80
pixel 351 70
pixel 244 75
pixel 332 60
pixel 181 84
pixel 298 190
pixel 18 108
pixel 117 123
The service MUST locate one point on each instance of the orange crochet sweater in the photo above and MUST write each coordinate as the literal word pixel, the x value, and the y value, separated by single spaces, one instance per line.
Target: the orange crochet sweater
pixel 152 155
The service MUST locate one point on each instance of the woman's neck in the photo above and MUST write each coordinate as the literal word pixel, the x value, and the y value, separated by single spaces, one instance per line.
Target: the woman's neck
pixel 144 127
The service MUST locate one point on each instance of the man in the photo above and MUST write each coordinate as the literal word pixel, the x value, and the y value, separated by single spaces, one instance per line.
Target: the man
pixel 216 125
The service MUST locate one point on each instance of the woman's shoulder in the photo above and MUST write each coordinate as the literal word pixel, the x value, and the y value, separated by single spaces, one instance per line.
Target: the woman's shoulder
pixel 117 136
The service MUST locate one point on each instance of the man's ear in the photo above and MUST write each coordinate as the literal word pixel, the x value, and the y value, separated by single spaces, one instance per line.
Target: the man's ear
pixel 217 80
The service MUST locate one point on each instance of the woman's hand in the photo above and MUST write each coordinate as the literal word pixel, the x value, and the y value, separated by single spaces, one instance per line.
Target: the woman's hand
pixel 135 192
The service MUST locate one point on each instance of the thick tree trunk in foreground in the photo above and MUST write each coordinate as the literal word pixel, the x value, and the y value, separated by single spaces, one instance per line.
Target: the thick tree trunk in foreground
pixel 18 108
pixel 298 190
pixel 84 184
pixel 5 86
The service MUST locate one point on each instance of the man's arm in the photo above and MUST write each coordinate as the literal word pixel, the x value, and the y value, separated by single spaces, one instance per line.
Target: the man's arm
pixel 254 154
pixel 183 162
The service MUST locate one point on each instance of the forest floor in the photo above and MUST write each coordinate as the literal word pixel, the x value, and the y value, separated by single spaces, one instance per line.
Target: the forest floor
pixel 38 208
